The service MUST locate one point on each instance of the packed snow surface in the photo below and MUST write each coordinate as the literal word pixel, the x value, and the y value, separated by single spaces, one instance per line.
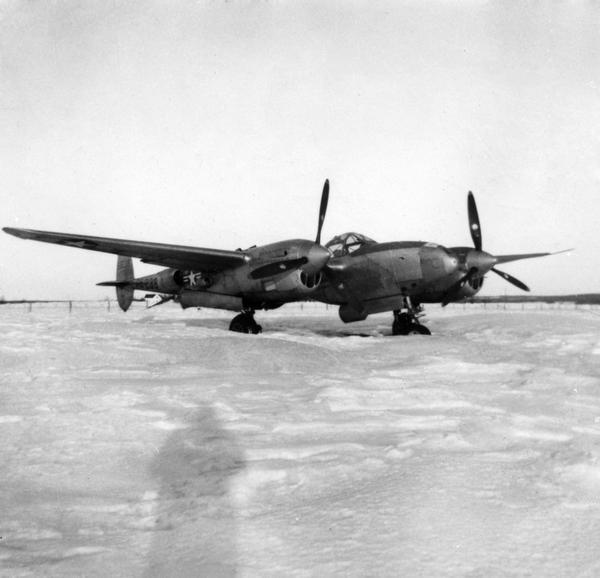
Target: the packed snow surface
pixel 158 443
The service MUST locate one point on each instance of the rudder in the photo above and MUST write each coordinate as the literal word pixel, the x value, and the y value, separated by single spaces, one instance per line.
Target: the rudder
pixel 124 274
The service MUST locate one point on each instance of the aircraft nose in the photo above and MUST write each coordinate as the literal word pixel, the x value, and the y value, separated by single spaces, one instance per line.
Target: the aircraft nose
pixel 317 256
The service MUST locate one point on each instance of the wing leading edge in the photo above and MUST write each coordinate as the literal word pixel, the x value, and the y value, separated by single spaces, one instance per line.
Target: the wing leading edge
pixel 176 256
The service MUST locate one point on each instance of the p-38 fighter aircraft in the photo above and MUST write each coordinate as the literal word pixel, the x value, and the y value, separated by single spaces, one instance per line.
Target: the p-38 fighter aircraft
pixel 352 271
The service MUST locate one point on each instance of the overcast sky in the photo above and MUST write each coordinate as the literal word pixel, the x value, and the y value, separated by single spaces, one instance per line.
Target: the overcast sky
pixel 214 124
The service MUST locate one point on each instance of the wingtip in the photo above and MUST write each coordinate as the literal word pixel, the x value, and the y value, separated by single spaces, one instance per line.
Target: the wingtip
pixel 20 233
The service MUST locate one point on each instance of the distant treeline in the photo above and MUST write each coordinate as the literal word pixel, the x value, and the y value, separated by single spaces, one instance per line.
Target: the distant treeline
pixel 580 299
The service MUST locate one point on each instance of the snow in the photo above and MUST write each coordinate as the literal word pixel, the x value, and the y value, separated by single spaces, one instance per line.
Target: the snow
pixel 158 443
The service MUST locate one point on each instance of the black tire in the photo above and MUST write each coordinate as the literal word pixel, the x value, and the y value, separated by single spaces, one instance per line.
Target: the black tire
pixel 418 329
pixel 244 323
pixel 401 325
pixel 398 329
pixel 404 325
pixel 240 324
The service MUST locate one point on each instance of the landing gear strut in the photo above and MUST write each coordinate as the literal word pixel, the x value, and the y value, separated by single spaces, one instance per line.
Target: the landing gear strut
pixel 245 323
pixel 406 320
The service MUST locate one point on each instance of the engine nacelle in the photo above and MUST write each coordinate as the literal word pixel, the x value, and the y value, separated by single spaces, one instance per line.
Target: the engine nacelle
pixel 297 285
pixel 349 314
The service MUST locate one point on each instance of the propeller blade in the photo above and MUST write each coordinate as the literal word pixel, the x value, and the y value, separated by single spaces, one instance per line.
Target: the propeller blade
pixel 273 269
pixel 322 210
pixel 511 279
pixel 458 285
pixel 509 258
pixel 474 225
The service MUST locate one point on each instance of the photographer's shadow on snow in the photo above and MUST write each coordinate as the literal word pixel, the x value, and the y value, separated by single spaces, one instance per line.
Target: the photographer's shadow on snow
pixel 195 532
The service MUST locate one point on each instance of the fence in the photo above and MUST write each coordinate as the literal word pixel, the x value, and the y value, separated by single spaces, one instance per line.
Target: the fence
pixel 70 306
pixel 67 305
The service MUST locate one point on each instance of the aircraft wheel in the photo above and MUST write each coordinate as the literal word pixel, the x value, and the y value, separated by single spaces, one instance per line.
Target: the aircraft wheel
pixel 240 324
pixel 244 323
pixel 403 325
pixel 418 329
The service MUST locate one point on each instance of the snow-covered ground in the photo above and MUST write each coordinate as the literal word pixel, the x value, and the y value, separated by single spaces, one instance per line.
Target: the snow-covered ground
pixel 157 443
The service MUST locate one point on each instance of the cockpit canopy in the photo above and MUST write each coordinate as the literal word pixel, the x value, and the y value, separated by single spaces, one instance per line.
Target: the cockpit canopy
pixel 347 243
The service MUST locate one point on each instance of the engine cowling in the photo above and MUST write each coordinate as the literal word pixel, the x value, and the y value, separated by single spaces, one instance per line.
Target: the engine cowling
pixel 469 289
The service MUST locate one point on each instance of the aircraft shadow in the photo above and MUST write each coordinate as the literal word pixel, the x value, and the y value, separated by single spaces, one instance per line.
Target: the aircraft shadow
pixel 279 325
pixel 333 333
pixel 208 323
pixel 195 532
pixel 203 323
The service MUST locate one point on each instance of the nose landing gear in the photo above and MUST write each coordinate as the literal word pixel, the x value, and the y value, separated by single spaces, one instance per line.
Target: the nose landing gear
pixel 245 323
pixel 406 320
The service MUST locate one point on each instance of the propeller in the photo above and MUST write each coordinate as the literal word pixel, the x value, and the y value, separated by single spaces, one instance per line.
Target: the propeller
pixel 322 210
pixel 511 279
pixel 484 261
pixel 476 262
pixel 474 225
pixel 312 257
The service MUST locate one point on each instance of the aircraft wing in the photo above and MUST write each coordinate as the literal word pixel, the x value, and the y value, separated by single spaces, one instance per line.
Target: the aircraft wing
pixel 509 258
pixel 176 256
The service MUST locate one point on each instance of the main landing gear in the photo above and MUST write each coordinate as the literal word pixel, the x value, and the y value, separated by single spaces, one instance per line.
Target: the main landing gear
pixel 245 323
pixel 406 320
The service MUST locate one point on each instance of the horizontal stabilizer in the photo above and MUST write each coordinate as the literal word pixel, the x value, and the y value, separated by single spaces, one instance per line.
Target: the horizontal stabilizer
pixel 113 284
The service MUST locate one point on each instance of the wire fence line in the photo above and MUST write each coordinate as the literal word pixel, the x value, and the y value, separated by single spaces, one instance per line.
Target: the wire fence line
pixel 70 306
pixel 67 305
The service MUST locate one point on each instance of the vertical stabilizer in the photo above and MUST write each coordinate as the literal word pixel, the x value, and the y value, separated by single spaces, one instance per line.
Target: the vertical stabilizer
pixel 124 274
